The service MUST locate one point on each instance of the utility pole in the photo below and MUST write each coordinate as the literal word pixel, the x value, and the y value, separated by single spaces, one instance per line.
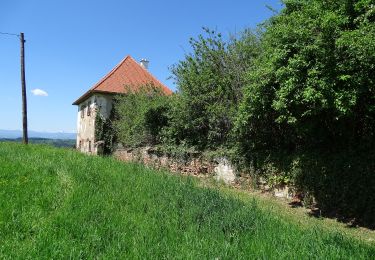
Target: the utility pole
pixel 23 83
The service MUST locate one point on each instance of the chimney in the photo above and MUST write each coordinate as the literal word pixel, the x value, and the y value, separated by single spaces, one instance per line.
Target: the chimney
pixel 144 63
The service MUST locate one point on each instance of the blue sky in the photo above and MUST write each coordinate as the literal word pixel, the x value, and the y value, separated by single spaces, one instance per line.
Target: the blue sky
pixel 70 45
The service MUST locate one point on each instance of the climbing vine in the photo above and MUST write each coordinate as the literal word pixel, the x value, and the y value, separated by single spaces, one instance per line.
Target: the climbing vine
pixel 105 133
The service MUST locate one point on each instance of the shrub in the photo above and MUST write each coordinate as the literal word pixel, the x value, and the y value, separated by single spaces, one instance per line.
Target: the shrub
pixel 141 115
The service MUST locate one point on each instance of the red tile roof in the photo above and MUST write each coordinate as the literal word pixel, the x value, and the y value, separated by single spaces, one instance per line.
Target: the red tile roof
pixel 127 73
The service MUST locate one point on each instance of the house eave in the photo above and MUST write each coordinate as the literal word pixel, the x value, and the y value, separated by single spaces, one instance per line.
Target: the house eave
pixel 89 94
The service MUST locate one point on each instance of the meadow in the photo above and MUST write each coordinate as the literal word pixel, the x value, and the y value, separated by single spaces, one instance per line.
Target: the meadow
pixel 67 143
pixel 58 203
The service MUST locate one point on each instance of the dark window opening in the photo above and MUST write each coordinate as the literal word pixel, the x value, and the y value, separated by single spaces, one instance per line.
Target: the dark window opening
pixel 88 109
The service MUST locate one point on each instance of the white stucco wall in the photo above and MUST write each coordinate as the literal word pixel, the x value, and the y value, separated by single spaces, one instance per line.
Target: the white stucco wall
pixel 86 124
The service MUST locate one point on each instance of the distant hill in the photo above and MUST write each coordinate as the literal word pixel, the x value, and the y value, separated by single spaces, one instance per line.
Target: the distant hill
pixel 13 134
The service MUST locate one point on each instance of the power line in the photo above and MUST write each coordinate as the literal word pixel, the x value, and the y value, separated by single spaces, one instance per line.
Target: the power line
pixel 14 34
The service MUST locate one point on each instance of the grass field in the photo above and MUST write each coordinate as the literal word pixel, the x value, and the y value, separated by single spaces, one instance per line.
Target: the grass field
pixel 57 203
pixel 67 143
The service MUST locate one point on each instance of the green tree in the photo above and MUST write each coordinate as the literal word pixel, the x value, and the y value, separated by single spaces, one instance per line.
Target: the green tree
pixel 210 81
pixel 313 83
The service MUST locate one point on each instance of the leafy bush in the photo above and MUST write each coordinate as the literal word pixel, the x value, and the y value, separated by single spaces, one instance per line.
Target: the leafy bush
pixel 141 115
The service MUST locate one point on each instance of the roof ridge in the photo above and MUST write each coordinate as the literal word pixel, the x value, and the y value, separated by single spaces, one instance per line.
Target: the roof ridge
pixel 152 76
pixel 110 73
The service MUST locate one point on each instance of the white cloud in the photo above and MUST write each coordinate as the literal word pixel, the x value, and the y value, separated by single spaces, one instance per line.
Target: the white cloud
pixel 39 92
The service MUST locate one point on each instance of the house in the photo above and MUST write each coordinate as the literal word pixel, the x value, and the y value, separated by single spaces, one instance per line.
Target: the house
pixel 99 98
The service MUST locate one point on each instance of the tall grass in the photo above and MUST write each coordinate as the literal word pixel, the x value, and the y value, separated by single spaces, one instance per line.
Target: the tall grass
pixel 57 203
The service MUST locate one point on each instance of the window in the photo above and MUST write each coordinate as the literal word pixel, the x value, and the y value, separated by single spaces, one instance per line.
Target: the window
pixel 88 109
pixel 89 146
pixel 82 111
pixel 80 144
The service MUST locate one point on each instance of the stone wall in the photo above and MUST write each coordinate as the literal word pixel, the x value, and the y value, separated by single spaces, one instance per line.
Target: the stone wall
pixel 194 164
pixel 219 168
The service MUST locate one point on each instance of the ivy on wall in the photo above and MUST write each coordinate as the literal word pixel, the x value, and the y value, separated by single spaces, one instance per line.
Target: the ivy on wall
pixel 105 133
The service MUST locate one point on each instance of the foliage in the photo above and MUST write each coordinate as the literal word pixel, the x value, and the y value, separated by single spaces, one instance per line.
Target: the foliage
pixel 210 81
pixel 59 203
pixel 105 132
pixel 141 115
pixel 311 92
pixel 342 183
pixel 313 83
